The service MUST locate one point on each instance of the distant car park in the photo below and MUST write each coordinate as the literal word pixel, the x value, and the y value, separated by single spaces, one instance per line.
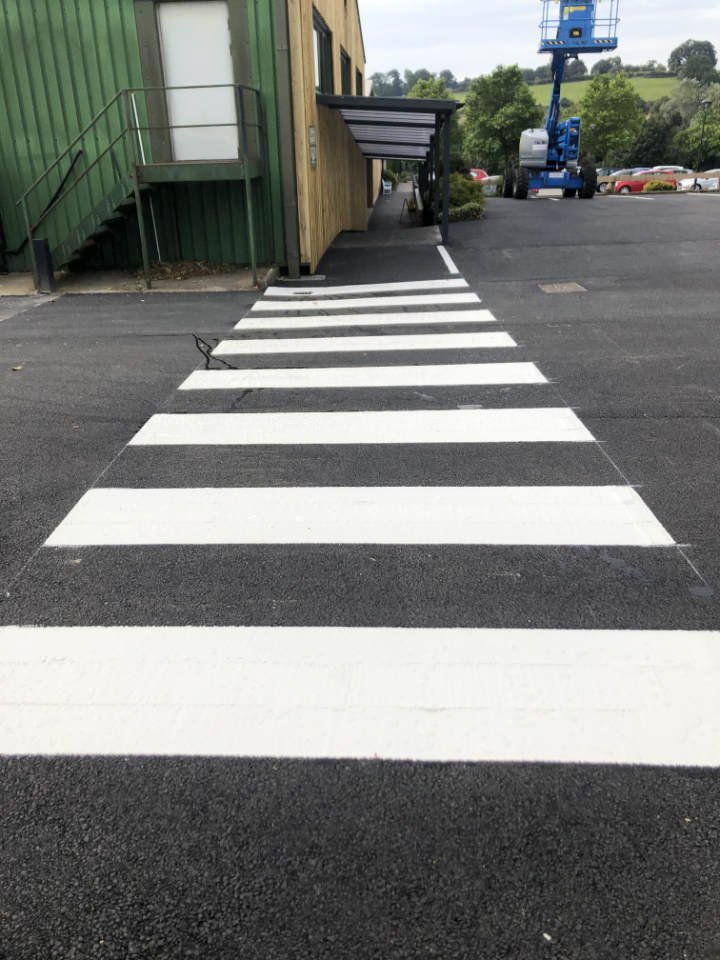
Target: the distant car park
pixel 671 169
pixel 628 172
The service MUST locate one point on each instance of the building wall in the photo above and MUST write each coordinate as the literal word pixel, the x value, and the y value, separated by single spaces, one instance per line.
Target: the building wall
pixel 332 196
pixel 61 62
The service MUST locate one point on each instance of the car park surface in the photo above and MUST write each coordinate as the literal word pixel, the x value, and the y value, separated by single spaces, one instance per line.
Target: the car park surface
pixel 238 857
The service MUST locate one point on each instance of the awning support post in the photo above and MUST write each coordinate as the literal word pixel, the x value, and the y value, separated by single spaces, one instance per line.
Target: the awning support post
pixel 436 170
pixel 446 180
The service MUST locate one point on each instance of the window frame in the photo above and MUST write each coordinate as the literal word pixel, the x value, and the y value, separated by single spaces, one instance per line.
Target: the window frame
pixel 323 59
pixel 358 83
pixel 345 72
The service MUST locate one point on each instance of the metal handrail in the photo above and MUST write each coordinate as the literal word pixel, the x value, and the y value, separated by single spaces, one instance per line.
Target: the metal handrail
pixel 67 150
pixel 128 127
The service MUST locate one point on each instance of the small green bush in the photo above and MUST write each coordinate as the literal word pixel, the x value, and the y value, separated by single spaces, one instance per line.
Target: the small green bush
pixel 658 186
pixel 392 177
pixel 463 191
pixel 469 211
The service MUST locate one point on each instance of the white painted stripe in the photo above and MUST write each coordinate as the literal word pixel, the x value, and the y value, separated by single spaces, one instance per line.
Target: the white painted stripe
pixel 428 341
pixel 567 696
pixel 448 259
pixel 573 516
pixel 405 285
pixel 524 425
pixel 360 303
pixel 455 374
pixel 366 320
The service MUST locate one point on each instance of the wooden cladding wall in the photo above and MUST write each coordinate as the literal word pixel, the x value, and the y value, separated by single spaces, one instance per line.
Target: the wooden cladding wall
pixel 332 196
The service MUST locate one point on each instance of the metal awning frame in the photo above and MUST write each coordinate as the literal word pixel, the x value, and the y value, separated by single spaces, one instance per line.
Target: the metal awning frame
pixel 400 128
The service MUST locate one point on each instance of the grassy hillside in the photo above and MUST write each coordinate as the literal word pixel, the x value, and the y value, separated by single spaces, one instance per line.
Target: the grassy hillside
pixel 649 89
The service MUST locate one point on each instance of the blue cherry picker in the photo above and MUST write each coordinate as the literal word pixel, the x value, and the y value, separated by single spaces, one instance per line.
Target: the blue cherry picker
pixel 549 155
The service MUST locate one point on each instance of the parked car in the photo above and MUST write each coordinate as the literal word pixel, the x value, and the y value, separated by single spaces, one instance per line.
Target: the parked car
pixel 710 180
pixel 604 171
pixel 636 186
pixel 672 169
pixel 478 174
pixel 628 172
pixel 490 185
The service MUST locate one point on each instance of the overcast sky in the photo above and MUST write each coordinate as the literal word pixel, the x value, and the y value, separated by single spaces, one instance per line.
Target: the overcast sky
pixel 471 37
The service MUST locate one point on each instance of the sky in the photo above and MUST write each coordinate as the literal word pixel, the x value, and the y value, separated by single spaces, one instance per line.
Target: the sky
pixel 471 38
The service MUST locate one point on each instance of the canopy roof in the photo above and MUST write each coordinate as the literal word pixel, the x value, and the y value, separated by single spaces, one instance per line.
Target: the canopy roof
pixel 391 128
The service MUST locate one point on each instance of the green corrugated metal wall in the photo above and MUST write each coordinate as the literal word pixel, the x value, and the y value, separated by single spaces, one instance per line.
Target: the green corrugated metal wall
pixel 61 62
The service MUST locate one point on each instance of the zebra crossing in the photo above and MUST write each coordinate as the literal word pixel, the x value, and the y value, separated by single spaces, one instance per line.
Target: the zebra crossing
pixel 390 691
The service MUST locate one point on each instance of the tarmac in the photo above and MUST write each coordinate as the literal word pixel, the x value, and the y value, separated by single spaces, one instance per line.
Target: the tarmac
pixel 196 848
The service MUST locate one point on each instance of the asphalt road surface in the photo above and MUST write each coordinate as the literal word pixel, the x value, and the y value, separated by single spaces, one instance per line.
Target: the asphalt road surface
pixel 389 630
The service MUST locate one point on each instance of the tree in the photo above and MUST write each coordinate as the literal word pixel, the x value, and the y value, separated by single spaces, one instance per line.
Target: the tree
pixel 688 141
pixel 680 55
pixel 434 89
pixel 497 109
pixel 685 100
pixel 412 77
pixel 608 65
pixel 529 75
pixel 611 103
pixel 574 69
pixel 449 77
pixel 387 84
pixel 654 145
pixel 698 67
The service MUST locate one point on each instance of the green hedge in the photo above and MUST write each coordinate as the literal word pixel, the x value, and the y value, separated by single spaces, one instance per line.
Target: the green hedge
pixel 658 186
pixel 469 211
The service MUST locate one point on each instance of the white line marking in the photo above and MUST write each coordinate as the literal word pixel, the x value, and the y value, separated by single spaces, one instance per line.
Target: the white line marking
pixel 573 516
pixel 456 374
pixel 428 341
pixel 524 425
pixel 448 259
pixel 360 303
pixel 320 291
pixel 566 696
pixel 366 320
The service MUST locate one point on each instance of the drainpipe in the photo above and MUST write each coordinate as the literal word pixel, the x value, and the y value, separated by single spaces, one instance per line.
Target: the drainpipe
pixel 287 140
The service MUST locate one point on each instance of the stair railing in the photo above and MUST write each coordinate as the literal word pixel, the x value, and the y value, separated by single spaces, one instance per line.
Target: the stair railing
pixel 57 199
pixel 132 128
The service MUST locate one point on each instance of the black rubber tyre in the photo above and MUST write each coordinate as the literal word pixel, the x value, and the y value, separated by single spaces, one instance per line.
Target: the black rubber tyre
pixel 589 187
pixel 603 187
pixel 625 189
pixel 508 184
pixel 522 183
pixel 569 193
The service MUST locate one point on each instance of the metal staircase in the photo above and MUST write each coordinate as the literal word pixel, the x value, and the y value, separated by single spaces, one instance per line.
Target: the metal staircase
pixel 119 173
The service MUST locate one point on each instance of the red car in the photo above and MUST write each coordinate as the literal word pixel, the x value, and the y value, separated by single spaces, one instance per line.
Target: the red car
pixel 478 174
pixel 636 185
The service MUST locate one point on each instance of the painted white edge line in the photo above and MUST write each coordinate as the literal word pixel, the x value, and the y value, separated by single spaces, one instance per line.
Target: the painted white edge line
pixel 530 516
pixel 448 259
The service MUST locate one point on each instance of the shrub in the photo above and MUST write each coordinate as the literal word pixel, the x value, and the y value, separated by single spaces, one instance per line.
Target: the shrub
pixel 463 191
pixel 657 186
pixel 469 211
pixel 392 177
